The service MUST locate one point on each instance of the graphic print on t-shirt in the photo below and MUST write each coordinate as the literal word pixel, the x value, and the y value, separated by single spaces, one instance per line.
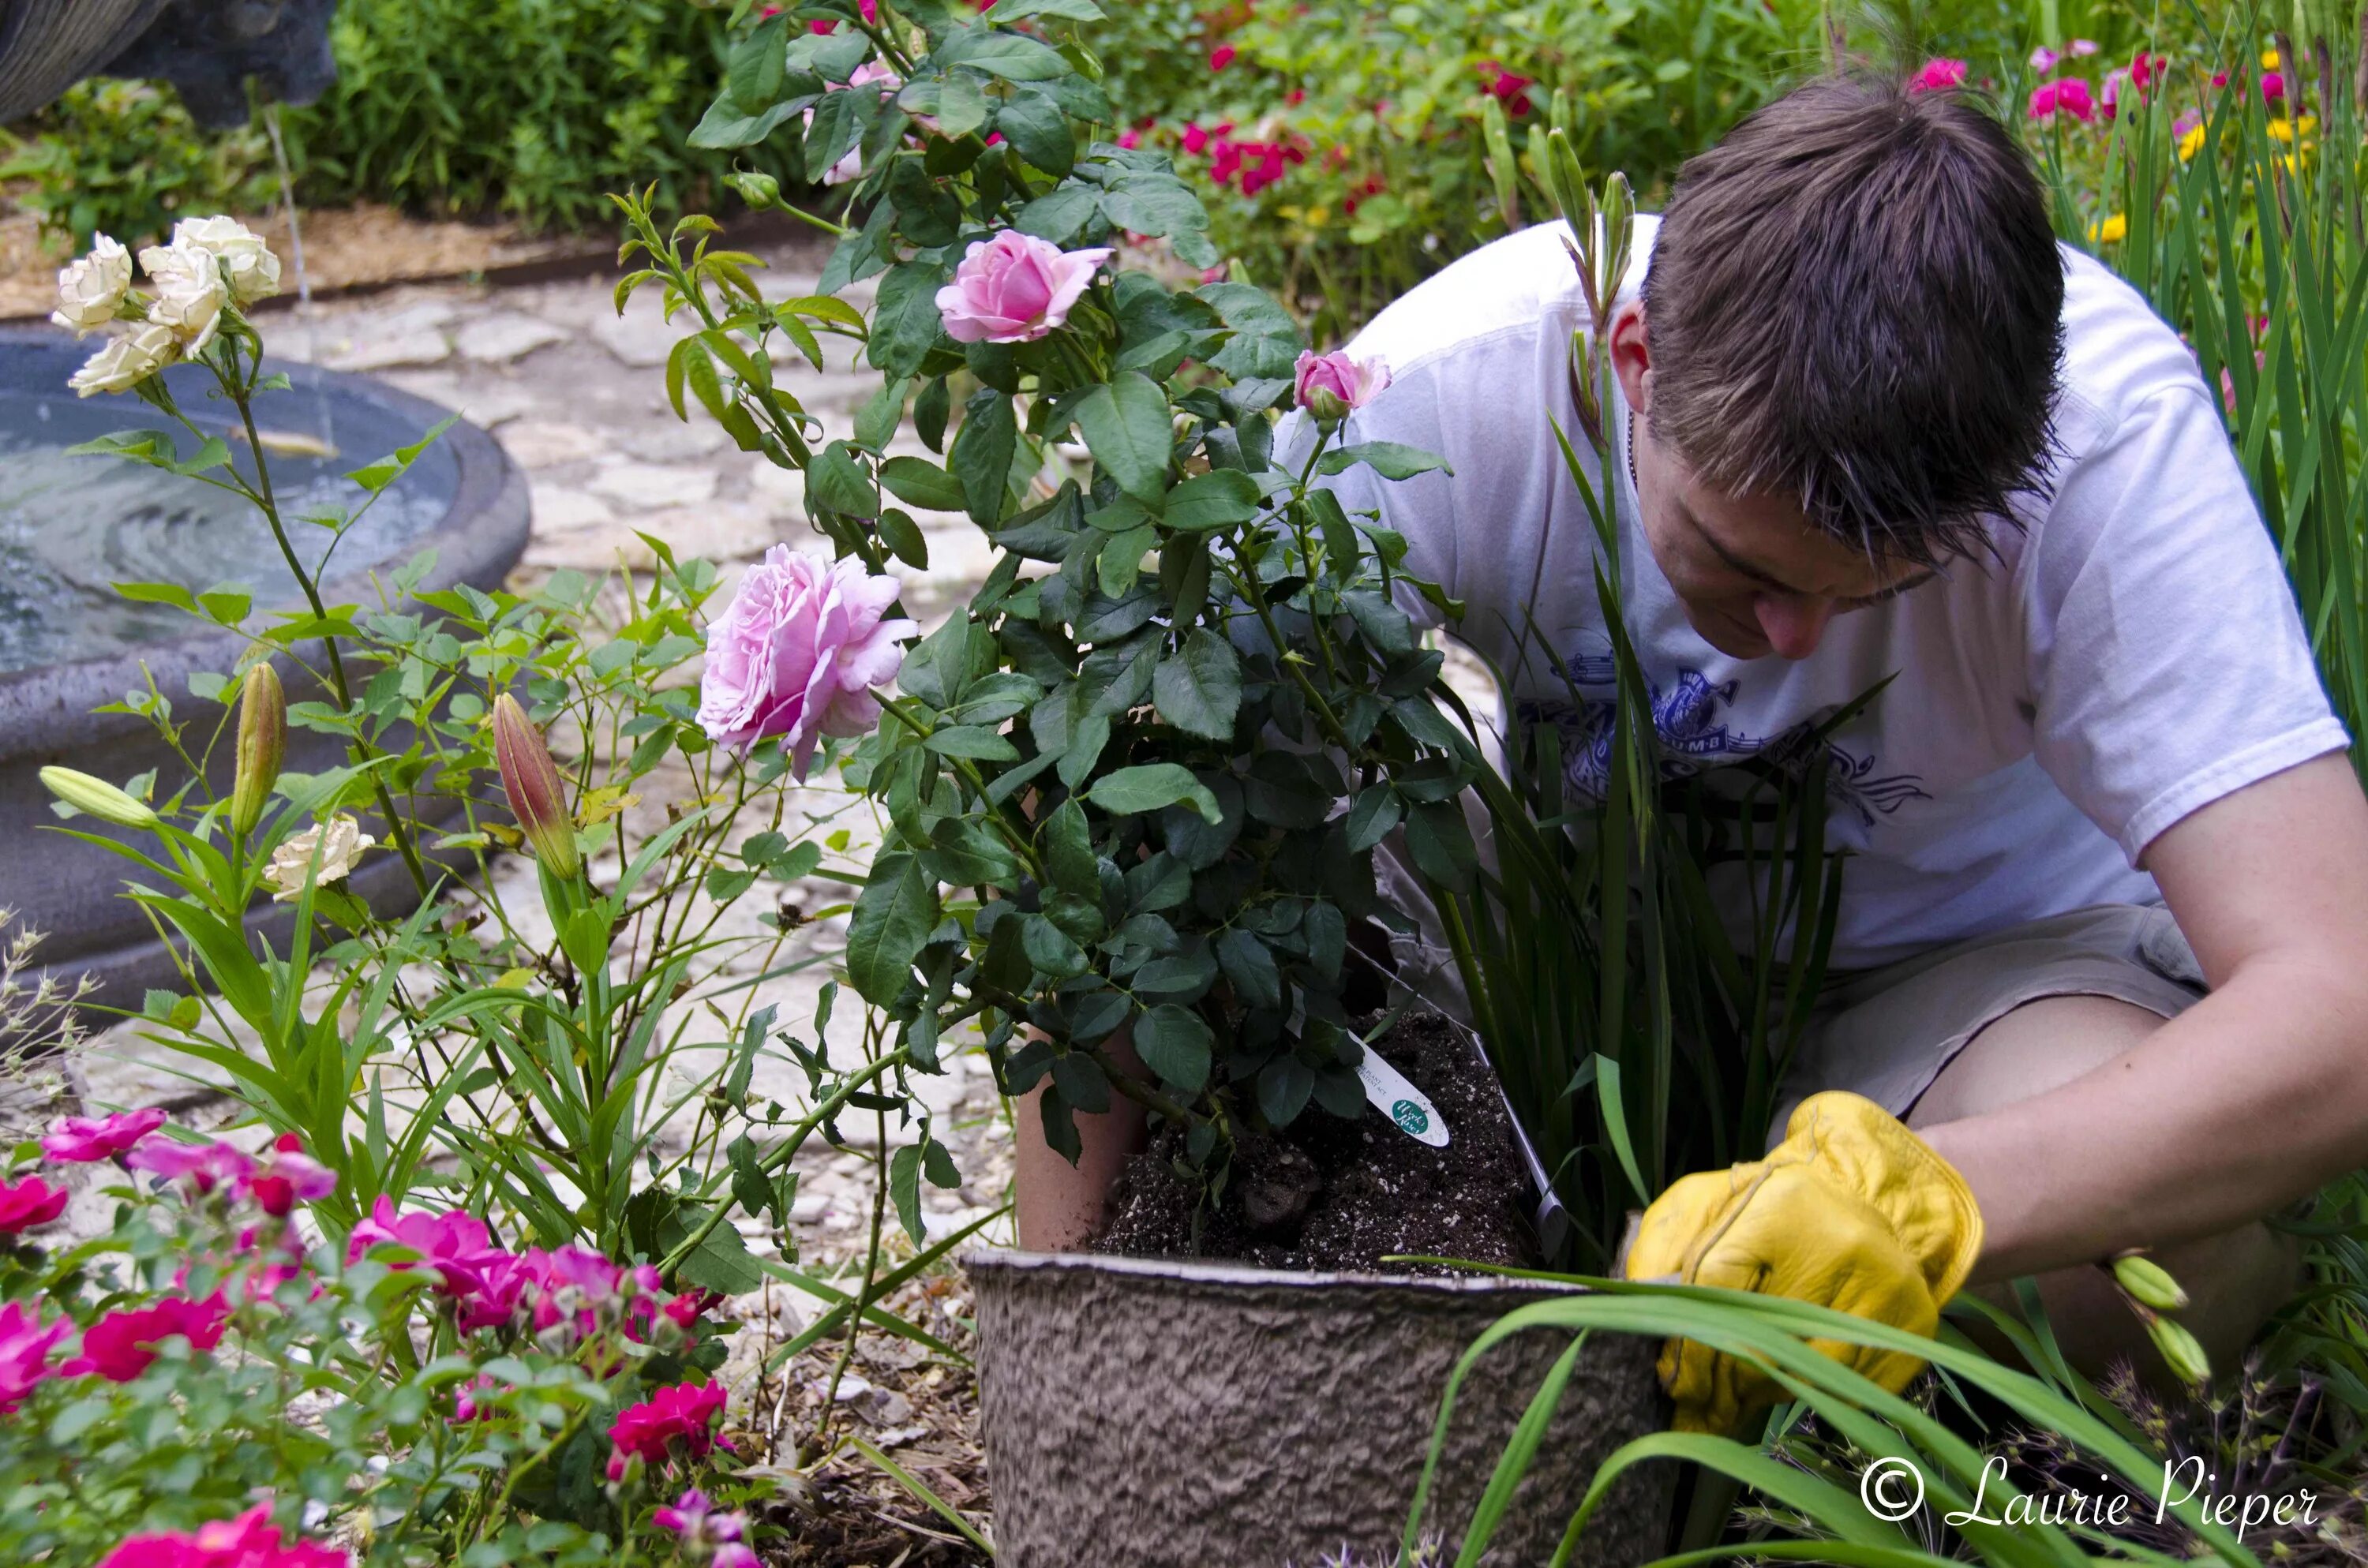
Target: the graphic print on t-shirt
pixel 1695 735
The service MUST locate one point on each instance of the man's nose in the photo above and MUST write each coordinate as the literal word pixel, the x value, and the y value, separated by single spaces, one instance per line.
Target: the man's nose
pixel 1794 623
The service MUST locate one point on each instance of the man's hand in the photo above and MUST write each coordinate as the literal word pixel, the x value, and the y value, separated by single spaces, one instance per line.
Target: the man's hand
pixel 1851 1211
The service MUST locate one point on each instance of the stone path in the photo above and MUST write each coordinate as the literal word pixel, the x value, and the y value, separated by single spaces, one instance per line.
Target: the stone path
pixel 576 394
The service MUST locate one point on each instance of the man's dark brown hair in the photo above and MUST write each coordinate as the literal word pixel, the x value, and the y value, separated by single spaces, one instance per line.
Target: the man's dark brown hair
pixel 1855 302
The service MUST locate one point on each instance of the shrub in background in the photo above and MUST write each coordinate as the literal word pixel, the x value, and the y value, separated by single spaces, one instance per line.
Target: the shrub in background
pixel 124 158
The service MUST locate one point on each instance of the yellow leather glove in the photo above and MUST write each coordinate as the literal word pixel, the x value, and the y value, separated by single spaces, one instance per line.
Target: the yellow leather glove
pixel 1851 1211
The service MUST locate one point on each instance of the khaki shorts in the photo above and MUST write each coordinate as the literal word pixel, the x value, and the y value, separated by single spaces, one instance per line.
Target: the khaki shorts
pixel 1886 1033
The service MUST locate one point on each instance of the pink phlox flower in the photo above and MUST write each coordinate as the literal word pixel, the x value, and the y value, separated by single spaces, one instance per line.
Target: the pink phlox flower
pixel 1938 76
pixel 30 1202
pixel 2070 95
pixel 25 1346
pixel 2044 58
pixel 2081 47
pixel 122 1345
pixel 1016 287
pixel 797 651
pixel 78 1140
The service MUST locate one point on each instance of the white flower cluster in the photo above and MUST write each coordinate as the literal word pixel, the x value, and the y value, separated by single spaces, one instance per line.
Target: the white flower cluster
pixel 211 263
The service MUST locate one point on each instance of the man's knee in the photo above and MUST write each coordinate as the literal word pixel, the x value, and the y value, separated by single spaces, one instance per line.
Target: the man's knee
pixel 2234 1280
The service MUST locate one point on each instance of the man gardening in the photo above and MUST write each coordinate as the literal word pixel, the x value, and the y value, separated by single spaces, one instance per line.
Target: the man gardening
pixel 2100 980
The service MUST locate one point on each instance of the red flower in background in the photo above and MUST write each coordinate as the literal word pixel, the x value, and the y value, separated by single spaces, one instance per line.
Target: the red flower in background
pixel 1222 56
pixel 122 1345
pixel 1938 76
pixel 1508 88
pixel 684 1413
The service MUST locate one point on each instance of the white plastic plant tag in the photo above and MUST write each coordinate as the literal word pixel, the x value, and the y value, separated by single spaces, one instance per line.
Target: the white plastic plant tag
pixel 1401 1101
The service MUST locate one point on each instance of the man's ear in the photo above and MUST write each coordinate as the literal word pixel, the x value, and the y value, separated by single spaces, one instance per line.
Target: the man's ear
pixel 1632 353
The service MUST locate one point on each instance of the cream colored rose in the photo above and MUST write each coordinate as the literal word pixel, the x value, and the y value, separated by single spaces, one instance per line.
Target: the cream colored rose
pixel 190 292
pixel 90 290
pixel 285 874
pixel 127 361
pixel 246 261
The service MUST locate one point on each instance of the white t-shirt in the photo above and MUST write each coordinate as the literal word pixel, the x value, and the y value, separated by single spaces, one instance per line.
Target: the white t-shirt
pixel 2131 654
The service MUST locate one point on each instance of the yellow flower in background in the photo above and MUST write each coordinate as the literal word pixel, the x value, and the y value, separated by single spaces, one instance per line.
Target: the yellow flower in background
pixel 2106 230
pixel 2191 143
pixel 2285 129
pixel 2269 59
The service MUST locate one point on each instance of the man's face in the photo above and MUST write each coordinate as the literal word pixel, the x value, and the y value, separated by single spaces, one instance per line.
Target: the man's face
pixel 1754 575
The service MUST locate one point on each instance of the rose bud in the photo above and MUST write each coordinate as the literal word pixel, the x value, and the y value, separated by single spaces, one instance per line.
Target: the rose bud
pixel 262 746
pixel 531 780
pixel 759 191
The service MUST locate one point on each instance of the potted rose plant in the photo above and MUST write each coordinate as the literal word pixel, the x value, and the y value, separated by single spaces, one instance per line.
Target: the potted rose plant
pixel 1135 785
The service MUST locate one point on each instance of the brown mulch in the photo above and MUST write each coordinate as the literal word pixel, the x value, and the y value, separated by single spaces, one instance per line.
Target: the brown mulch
pixel 916 1407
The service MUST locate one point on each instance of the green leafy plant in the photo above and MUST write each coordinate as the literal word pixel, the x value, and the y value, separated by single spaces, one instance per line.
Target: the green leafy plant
pixel 124 159
pixel 1132 749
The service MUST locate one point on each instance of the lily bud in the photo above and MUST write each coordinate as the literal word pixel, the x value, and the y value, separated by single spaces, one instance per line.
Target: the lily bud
pixel 96 797
pixel 2181 1351
pixel 2148 1283
pixel 531 780
pixel 262 746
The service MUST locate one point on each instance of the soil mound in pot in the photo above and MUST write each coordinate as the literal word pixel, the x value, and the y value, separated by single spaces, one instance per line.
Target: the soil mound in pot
pixel 1331 1194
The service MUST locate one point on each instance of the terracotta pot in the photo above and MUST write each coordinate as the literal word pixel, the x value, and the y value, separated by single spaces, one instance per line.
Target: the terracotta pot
pixel 1180 1414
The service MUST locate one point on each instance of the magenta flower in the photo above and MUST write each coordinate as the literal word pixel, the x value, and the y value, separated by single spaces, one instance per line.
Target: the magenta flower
pixel 2274 86
pixel 796 652
pixel 1197 138
pixel 683 1414
pixel 27 1203
pixel 250 1540
pixel 1938 76
pixel 1509 88
pixel 122 1345
pixel 732 1554
pixel 688 1515
pixel 2070 96
pixel 78 1140
pixel 204 1166
pixel 291 1177
pixel 2081 46
pixel 25 1346
pixel 1015 288
pixel 1331 385
pixel 456 1246
pixel 1222 56
pixel 2044 58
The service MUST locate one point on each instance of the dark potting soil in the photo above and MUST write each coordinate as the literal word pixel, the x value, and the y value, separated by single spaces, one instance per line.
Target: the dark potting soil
pixel 1327 1193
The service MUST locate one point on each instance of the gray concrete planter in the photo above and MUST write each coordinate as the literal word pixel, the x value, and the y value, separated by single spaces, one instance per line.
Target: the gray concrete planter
pixel 473 511
pixel 1179 1414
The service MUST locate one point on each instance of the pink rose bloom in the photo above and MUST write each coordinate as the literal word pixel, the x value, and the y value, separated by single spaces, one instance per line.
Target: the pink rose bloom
pixel 796 652
pixel 1015 288
pixel 206 1165
pixel 2044 58
pixel 250 1540
pixel 1345 383
pixel 688 1515
pixel 27 1203
pixel 78 1140
pixel 683 1413
pixel 122 1345
pixel 25 1346
pixel 291 1177
pixel 497 1286
pixel 871 73
pixel 1938 76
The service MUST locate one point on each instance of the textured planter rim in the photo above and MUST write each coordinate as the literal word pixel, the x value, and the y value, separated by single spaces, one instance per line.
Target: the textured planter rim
pixel 1172 1413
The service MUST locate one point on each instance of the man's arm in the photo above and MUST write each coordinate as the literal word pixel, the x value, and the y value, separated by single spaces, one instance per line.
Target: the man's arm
pixel 2251 1098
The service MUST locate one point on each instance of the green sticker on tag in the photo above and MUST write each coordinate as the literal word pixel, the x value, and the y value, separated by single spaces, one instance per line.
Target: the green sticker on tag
pixel 1409 1116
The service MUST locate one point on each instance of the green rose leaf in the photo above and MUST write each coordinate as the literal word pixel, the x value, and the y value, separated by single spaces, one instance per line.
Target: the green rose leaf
pixel 838 483
pixel 892 921
pixel 1133 790
pixel 1283 1086
pixel 1035 125
pixel 983 452
pixel 1129 429
pixel 1391 459
pixel 904 1188
pixel 918 481
pixel 905 324
pixel 1175 1043
pixel 1200 688
pixel 1216 500
pixel 1012 56
pixel 972 741
pixel 1068 851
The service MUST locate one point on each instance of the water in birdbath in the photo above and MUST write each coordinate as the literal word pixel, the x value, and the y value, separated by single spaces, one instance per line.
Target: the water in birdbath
pixel 72 527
